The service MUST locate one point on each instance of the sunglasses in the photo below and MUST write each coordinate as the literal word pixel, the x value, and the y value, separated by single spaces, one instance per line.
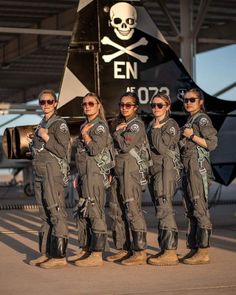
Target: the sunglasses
pixel 43 102
pixel 157 105
pixel 126 105
pixel 191 100
pixel 90 104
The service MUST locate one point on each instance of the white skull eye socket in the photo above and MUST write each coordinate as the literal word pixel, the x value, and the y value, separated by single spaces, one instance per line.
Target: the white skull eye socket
pixel 117 20
pixel 129 21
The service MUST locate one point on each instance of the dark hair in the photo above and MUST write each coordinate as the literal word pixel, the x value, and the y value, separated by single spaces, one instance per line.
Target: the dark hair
pixel 97 98
pixel 119 118
pixel 133 95
pixel 198 92
pixel 48 91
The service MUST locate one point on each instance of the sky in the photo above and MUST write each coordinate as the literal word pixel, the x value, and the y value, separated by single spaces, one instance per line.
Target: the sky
pixel 215 69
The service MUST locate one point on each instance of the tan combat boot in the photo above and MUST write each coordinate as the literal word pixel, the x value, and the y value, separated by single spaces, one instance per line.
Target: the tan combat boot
pixel 84 253
pixel 54 263
pixel 200 257
pixel 94 259
pixel 186 256
pixel 138 258
pixel 37 261
pixel 122 254
pixel 155 255
pixel 168 258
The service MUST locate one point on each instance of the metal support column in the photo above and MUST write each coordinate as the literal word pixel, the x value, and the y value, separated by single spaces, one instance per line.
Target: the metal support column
pixel 187 47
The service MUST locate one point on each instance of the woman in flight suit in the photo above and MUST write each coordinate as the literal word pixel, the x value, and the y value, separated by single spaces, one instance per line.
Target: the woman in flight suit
pixel 92 180
pixel 49 146
pixel 163 134
pixel 199 138
pixel 125 206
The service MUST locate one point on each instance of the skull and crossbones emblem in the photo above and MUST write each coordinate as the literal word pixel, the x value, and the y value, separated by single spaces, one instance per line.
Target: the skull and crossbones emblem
pixel 123 18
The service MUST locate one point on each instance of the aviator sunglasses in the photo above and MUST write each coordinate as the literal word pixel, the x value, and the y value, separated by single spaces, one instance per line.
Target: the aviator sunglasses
pixel 90 104
pixel 157 105
pixel 43 102
pixel 191 100
pixel 126 105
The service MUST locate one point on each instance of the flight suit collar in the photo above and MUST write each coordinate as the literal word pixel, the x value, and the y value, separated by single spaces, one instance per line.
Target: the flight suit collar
pixel 192 116
pixel 45 122
pixel 95 120
pixel 165 119
pixel 130 119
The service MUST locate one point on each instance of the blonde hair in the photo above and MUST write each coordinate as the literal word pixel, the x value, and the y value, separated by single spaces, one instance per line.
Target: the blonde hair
pixel 163 97
pixel 48 91
pixel 98 100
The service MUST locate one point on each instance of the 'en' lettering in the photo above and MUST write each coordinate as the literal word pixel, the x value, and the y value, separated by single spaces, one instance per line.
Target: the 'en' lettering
pixel 124 70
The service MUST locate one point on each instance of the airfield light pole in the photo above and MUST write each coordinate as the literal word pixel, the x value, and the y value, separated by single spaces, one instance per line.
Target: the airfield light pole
pixel 187 42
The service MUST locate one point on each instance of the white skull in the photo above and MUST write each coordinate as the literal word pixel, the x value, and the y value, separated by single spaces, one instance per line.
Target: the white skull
pixel 123 19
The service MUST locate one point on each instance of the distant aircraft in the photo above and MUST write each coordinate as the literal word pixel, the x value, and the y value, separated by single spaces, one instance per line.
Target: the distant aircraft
pixel 116 47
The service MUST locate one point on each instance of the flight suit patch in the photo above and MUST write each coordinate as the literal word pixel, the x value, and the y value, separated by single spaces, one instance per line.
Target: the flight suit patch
pixel 203 122
pixel 63 128
pixel 100 129
pixel 128 138
pixel 134 128
pixel 172 131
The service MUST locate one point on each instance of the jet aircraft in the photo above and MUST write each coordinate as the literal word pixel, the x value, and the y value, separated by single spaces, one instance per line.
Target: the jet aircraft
pixel 116 47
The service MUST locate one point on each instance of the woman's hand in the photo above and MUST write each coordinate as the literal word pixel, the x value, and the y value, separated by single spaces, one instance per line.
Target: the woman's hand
pixel 121 126
pixel 86 129
pixel 43 133
pixel 188 132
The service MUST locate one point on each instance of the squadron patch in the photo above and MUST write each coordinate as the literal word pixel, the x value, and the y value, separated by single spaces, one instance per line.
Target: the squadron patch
pixel 63 128
pixel 100 129
pixel 134 128
pixel 203 122
pixel 172 131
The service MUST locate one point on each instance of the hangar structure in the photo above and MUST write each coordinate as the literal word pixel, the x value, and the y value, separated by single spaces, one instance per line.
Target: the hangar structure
pixel 34 37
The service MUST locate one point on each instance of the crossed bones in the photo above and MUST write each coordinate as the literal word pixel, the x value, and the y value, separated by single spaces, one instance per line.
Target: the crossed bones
pixel 122 50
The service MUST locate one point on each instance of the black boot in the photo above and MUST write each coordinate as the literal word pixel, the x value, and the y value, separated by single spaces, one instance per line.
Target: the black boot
pixel 203 237
pixel 98 242
pixel 168 239
pixel 139 240
pixel 192 233
pixel 44 249
pixel 58 253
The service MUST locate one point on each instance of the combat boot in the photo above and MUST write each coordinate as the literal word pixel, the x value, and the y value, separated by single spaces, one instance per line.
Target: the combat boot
pixel 84 253
pixel 168 258
pixel 40 259
pixel 94 259
pixel 138 258
pixel 155 255
pixel 188 255
pixel 200 257
pixel 54 263
pixel 122 254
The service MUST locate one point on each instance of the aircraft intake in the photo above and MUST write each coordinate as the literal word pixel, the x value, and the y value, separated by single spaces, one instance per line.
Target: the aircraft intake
pixel 7 143
pixel 20 143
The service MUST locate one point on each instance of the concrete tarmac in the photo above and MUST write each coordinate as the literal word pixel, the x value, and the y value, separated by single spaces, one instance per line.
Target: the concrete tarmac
pixel 19 244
